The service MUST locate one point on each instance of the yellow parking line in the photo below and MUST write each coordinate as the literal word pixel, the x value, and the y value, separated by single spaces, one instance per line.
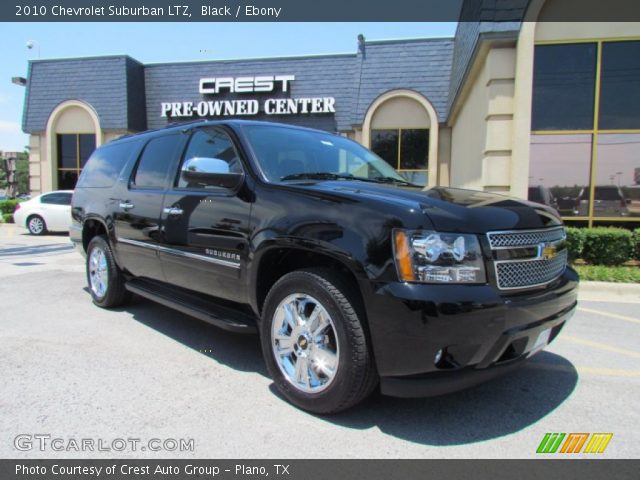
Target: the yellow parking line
pixel 601 346
pixel 612 315
pixel 609 372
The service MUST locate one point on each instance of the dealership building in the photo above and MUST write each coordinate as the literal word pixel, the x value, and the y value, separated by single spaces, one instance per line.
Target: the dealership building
pixel 538 109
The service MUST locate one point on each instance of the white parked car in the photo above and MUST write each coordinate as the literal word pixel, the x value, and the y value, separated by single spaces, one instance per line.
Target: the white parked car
pixel 49 212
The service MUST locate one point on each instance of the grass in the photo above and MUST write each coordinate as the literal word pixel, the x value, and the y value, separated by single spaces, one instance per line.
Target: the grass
pixel 598 273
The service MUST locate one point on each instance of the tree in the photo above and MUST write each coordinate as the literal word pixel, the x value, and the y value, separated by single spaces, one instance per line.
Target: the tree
pixel 3 179
pixel 21 175
pixel 22 172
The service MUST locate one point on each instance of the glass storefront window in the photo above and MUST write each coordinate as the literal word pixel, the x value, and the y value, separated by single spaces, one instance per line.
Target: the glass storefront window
pixel 74 149
pixel 67 179
pixel 414 147
pixel 384 143
pixel 620 86
pixel 406 150
pixel 564 80
pixel 567 110
pixel 67 151
pixel 617 192
pixel 559 173
pixel 86 144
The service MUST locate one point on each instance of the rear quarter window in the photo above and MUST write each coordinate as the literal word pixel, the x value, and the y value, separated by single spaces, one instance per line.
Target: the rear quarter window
pixel 155 161
pixel 60 198
pixel 105 164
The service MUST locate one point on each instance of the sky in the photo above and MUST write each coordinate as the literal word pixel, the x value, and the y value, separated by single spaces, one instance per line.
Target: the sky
pixel 174 42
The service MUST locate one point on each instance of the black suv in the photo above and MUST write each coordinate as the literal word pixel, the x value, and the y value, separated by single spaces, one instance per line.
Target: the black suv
pixel 354 277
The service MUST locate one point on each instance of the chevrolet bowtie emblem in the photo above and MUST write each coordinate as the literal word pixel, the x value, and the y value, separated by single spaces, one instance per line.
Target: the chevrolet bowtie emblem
pixel 547 251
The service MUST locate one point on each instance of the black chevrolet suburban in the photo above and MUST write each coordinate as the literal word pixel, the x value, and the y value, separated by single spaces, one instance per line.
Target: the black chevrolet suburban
pixel 353 277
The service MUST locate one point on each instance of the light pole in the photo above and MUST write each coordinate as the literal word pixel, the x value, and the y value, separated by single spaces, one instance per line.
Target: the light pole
pixel 33 43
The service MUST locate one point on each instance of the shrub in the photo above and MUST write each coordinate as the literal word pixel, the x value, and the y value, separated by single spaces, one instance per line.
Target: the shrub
pixel 7 217
pixel 600 273
pixel 8 206
pixel 575 242
pixel 636 241
pixel 607 246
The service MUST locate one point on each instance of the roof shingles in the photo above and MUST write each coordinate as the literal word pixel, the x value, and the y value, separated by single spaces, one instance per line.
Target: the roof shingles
pixel 127 95
pixel 102 82
pixel 420 65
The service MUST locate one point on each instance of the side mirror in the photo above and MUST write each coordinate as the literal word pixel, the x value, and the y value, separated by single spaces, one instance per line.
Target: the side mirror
pixel 209 172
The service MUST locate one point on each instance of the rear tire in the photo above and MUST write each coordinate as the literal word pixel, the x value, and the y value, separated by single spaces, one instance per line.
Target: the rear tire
pixel 36 225
pixel 106 281
pixel 314 343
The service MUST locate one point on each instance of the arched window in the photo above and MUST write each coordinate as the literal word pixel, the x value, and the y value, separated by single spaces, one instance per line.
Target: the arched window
pixel 401 126
pixel 73 131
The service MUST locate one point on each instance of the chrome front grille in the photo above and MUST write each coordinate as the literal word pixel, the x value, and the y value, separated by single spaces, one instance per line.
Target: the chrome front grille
pixel 547 263
pixel 530 273
pixel 525 238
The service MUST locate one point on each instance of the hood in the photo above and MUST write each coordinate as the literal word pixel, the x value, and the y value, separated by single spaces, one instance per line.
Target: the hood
pixel 449 209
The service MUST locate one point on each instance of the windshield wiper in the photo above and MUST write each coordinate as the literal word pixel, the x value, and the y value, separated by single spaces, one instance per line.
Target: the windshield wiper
pixel 316 176
pixel 344 176
pixel 382 179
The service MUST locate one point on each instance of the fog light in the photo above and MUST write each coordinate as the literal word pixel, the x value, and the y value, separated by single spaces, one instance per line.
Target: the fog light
pixel 438 357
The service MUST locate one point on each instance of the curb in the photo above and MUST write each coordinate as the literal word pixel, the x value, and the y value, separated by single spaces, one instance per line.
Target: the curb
pixel 8 229
pixel 609 292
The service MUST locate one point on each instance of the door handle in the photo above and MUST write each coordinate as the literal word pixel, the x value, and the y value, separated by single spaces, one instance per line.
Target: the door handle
pixel 126 205
pixel 172 211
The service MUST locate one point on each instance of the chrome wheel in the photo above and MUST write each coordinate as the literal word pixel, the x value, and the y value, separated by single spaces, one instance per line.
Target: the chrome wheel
pixel 304 343
pixel 36 225
pixel 98 272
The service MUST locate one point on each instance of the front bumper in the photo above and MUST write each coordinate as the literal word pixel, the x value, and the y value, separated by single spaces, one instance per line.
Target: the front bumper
pixel 481 332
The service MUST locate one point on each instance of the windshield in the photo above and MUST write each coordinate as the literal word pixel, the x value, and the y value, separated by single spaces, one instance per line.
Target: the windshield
pixel 287 154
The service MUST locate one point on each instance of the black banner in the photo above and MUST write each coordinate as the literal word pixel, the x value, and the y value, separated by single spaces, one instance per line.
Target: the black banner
pixel 314 11
pixel 579 469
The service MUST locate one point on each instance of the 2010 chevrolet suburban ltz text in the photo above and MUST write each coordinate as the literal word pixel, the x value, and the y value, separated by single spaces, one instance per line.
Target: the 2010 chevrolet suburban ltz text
pixel 353 277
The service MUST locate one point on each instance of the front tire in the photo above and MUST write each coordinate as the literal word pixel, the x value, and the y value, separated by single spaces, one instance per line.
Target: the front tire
pixel 314 343
pixel 36 225
pixel 105 279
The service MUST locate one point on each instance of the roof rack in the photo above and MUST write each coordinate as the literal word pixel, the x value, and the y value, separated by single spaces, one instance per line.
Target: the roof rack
pixel 168 125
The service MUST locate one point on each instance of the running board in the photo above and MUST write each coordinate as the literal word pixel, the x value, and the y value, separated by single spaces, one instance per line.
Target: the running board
pixel 194 305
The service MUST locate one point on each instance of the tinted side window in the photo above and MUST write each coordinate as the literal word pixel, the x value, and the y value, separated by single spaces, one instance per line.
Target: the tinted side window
pixel 211 143
pixel 56 199
pixel 155 161
pixel 106 163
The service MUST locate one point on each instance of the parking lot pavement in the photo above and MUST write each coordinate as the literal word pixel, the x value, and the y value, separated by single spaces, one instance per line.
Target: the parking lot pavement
pixel 72 370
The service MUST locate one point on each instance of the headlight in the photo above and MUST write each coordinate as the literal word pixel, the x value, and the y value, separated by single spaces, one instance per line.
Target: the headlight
pixel 436 257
